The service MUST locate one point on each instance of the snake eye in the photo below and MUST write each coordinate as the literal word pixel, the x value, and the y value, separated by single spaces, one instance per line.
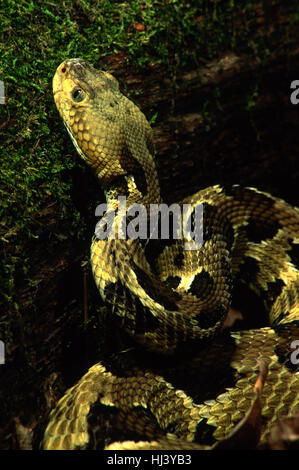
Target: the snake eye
pixel 78 95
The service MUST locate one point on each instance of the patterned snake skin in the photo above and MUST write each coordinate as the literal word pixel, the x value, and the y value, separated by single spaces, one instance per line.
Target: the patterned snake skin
pixel 188 381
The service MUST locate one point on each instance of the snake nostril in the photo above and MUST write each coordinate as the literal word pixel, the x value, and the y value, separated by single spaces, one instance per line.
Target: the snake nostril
pixel 63 70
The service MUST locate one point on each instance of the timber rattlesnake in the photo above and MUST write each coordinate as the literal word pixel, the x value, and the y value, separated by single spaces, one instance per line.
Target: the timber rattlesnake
pixel 188 382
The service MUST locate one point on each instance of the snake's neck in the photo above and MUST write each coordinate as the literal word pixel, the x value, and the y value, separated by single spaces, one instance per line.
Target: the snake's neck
pixel 140 187
pixel 130 197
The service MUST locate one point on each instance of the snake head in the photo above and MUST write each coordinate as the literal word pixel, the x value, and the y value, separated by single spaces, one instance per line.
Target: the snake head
pixel 76 80
pixel 103 124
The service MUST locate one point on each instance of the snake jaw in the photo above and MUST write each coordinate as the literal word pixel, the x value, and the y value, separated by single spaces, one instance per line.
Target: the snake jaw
pixel 86 122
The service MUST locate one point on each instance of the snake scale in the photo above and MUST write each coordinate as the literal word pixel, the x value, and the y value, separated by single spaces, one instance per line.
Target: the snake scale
pixel 188 380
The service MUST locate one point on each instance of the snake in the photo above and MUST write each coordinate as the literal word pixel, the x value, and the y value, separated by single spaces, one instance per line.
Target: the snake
pixel 186 380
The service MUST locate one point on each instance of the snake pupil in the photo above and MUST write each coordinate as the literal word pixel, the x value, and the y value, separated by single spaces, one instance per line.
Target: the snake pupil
pixel 78 95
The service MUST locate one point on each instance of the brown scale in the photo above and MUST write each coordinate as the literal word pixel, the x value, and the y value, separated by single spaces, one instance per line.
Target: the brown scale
pixel 171 300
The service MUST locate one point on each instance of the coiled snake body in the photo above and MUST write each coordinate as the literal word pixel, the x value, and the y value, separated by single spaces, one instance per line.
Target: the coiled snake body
pixel 189 381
